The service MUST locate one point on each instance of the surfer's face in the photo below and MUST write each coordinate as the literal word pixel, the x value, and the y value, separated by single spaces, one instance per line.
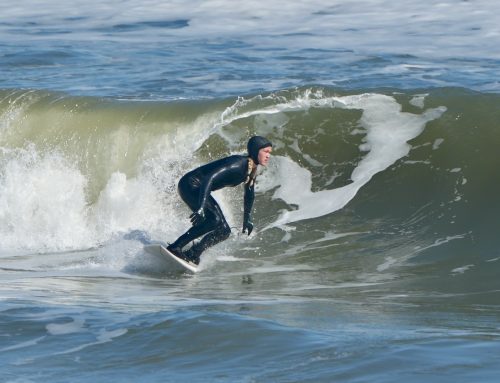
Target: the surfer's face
pixel 264 155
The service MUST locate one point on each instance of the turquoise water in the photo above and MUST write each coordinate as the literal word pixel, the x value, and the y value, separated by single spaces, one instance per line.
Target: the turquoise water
pixel 375 252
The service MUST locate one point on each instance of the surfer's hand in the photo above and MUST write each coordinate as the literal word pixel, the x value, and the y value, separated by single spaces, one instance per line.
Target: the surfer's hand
pixel 197 217
pixel 247 226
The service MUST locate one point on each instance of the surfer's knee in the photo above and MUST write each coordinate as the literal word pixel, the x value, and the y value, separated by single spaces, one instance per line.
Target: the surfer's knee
pixel 219 226
pixel 223 228
pixel 224 231
pixel 214 220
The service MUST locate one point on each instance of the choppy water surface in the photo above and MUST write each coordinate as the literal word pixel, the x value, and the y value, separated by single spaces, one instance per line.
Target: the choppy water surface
pixel 375 255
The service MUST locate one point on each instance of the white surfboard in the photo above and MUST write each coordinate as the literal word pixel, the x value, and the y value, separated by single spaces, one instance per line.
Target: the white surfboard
pixel 174 263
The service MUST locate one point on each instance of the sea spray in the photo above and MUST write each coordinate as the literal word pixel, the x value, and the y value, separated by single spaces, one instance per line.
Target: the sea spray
pixel 42 202
pixel 76 173
pixel 140 171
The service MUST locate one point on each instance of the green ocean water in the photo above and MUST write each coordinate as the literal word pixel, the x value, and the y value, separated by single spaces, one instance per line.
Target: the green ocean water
pixel 438 196
pixel 375 254
pixel 375 238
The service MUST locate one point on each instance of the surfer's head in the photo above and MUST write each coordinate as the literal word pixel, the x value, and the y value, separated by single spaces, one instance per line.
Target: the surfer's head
pixel 255 152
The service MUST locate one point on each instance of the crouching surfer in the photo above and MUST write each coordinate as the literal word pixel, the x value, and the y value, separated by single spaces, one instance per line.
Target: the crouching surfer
pixel 208 222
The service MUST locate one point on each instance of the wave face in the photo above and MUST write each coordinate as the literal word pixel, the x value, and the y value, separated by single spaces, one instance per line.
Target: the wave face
pixel 384 182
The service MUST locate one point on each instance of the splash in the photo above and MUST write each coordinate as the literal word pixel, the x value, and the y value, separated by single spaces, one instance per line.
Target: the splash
pixel 65 191
pixel 42 201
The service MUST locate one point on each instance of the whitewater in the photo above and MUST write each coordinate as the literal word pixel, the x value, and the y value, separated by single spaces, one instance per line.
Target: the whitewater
pixel 375 251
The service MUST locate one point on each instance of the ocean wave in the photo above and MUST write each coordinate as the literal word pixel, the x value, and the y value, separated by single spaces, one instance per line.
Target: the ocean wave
pixel 402 169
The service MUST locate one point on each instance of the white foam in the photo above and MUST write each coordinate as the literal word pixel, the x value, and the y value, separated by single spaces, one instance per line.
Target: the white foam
pixel 455 29
pixel 45 205
pixel 42 202
pixel 440 241
pixel 271 268
pixel 103 337
pixel 28 343
pixel 107 336
pixel 126 204
pixel 230 258
pixel 461 270
pixel 437 143
pixel 389 262
pixel 76 325
pixel 387 131
pixel 418 100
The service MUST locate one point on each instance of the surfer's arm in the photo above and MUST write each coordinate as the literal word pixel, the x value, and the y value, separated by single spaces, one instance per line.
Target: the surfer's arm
pixel 216 175
pixel 206 188
pixel 247 206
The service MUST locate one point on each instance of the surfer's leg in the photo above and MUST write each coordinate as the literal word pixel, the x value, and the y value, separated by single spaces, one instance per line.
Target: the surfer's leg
pixel 215 223
pixel 209 240
pixel 193 233
pixel 189 191
pixel 220 233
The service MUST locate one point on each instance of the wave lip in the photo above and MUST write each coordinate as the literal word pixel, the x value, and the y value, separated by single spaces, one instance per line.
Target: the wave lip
pixel 387 131
pixel 76 172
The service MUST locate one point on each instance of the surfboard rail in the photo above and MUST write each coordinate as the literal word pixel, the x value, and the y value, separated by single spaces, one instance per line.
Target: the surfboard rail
pixel 172 260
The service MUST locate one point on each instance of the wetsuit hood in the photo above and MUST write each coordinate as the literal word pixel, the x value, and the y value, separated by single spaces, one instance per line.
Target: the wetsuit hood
pixel 255 144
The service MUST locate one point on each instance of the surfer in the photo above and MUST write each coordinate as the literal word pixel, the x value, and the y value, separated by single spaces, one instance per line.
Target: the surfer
pixel 208 222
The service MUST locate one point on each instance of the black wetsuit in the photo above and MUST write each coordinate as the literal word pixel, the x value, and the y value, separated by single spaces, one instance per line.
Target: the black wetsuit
pixel 195 187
